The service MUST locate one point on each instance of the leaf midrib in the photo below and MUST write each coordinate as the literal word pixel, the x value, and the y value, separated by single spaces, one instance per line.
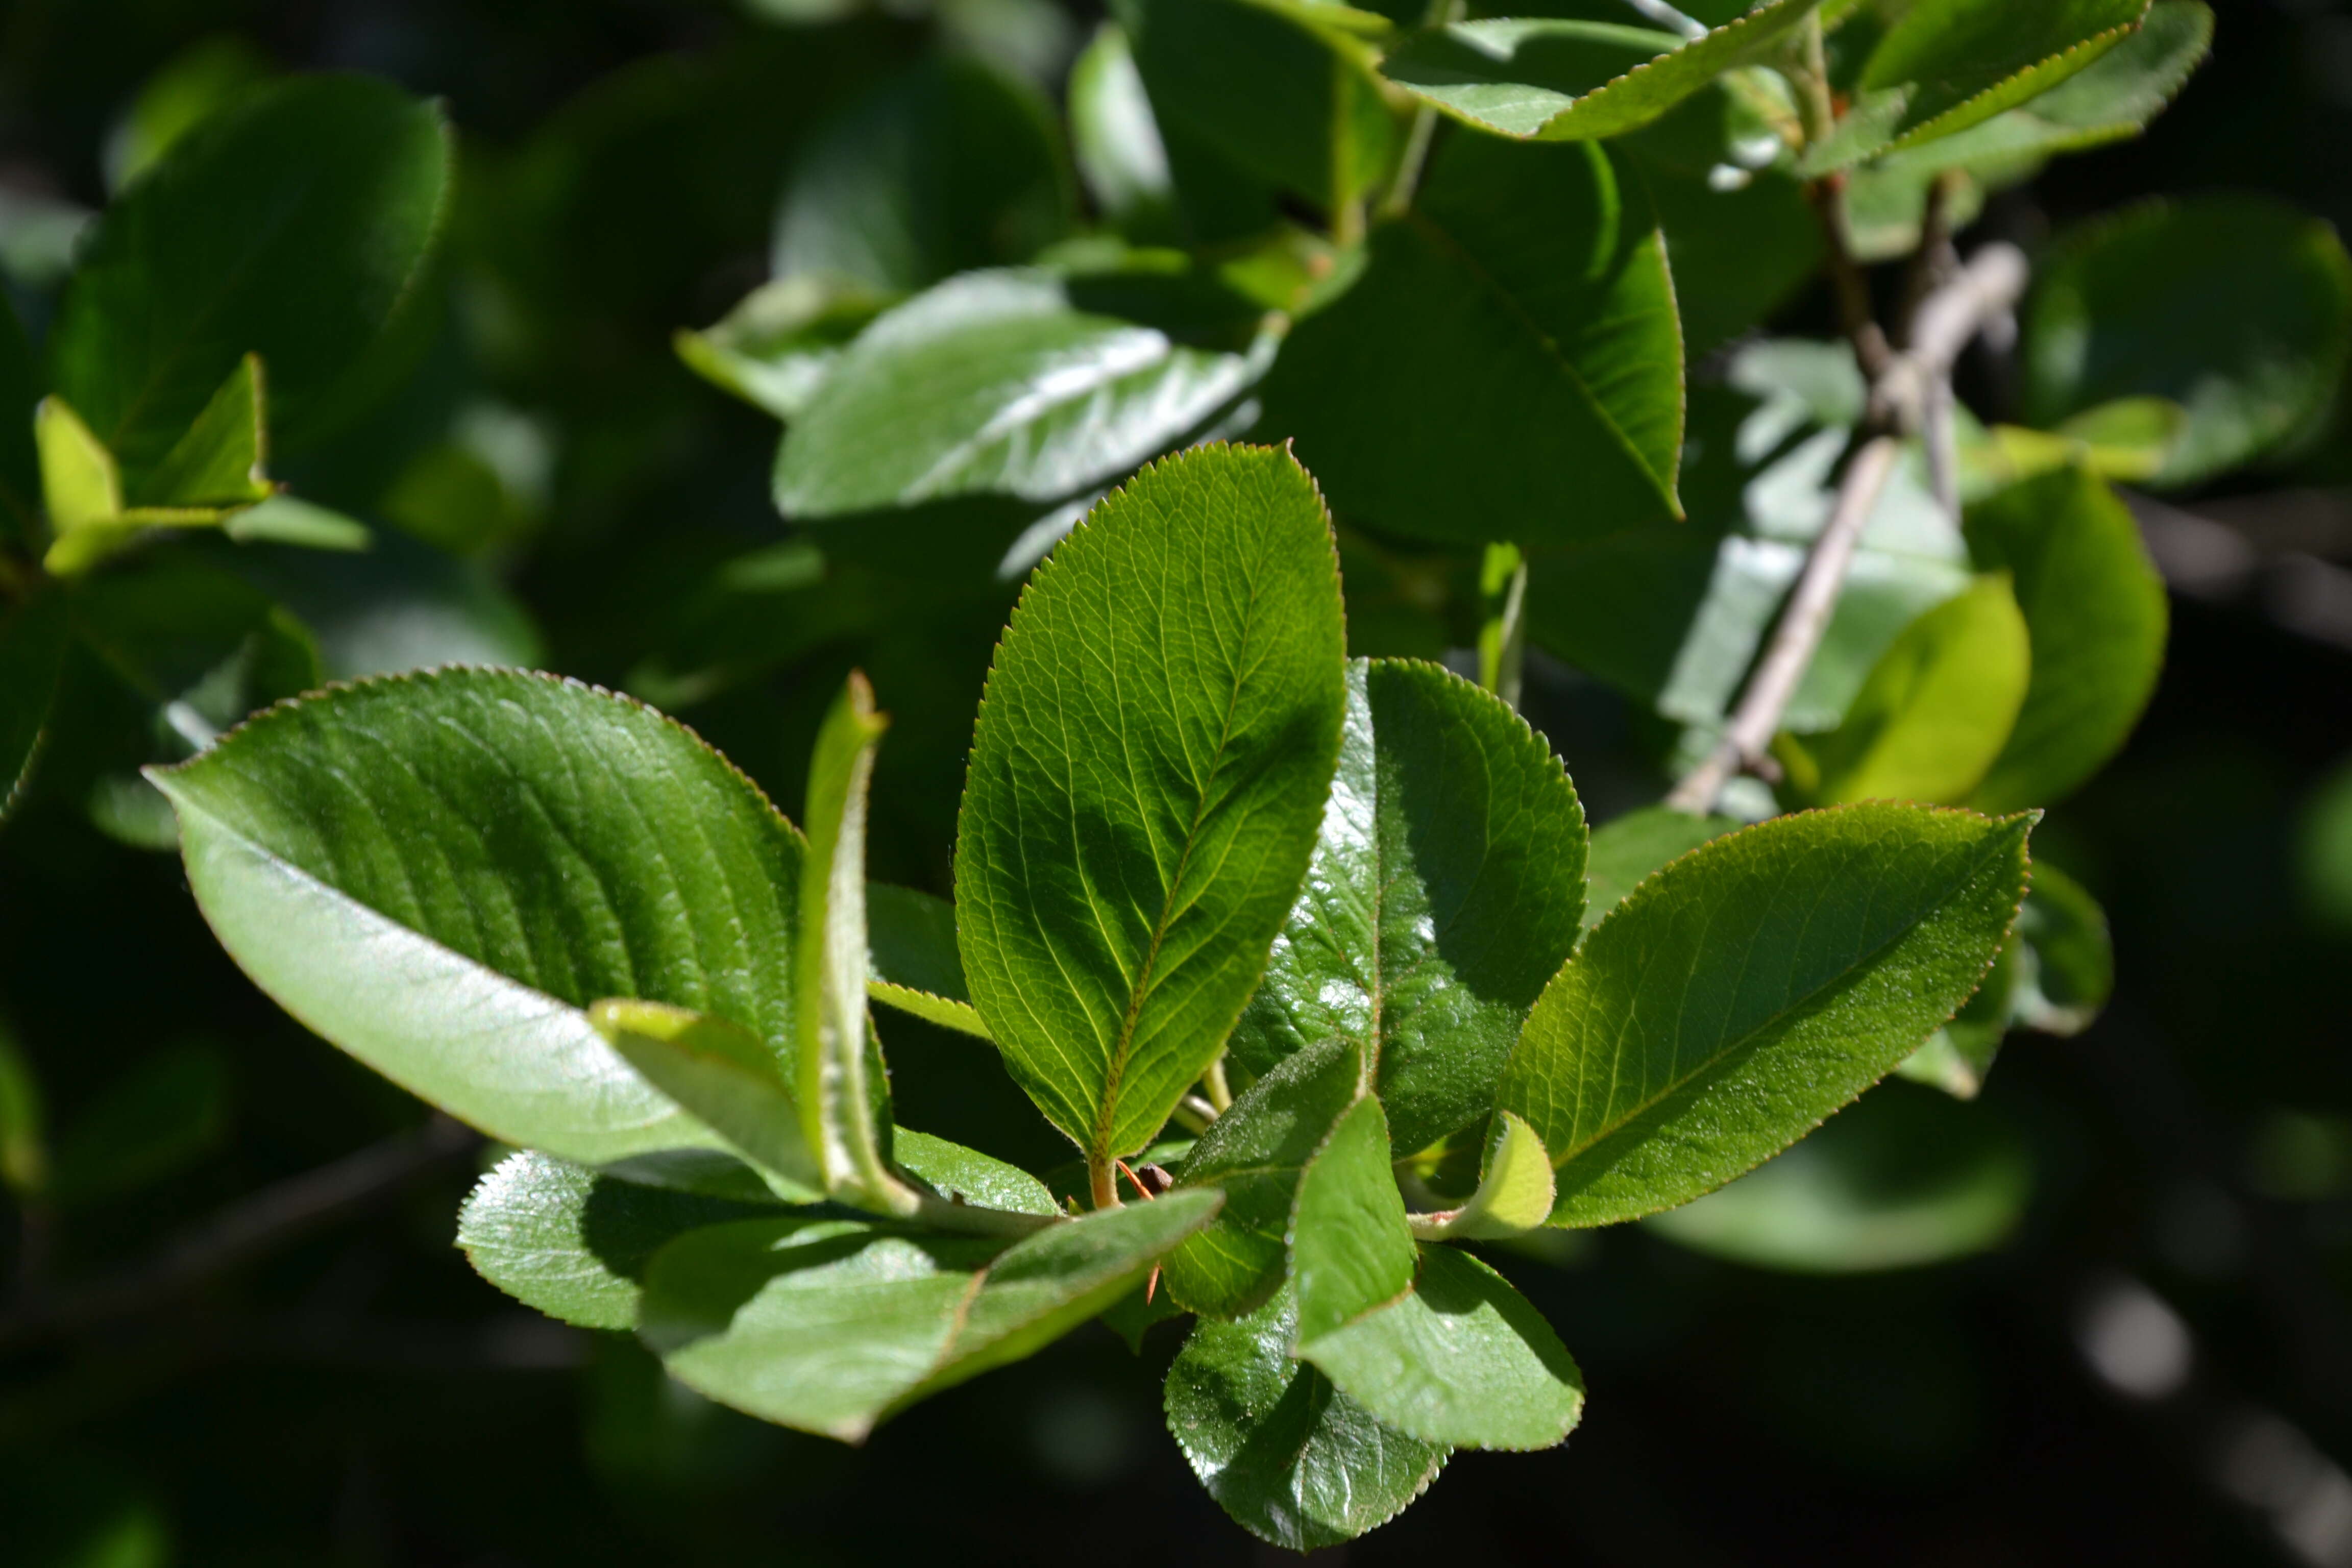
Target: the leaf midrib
pixel 1797 1006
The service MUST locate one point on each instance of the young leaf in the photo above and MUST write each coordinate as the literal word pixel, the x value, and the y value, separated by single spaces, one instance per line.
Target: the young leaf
pixel 1903 1179
pixel 1626 850
pixel 2067 960
pixel 949 167
pixel 1516 1190
pixel 33 637
pixel 574 1244
pixel 830 1052
pixel 2096 612
pixel 1292 1459
pixel 830 1325
pixel 1557 80
pixel 1350 1251
pixel 81 490
pixel 1115 898
pixel 994 382
pixel 724 1076
pixel 1945 65
pixel 1462 1359
pixel 2238 308
pixel 1937 709
pixel 223 458
pixel 296 226
pixel 1510 365
pixel 1750 989
pixel 775 348
pixel 911 961
pixel 1254 1152
pixel 439 872
pixel 1416 935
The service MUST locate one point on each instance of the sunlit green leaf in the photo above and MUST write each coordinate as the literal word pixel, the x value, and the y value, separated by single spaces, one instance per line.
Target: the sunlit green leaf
pixel 1350 1251
pixel 224 458
pixel 912 963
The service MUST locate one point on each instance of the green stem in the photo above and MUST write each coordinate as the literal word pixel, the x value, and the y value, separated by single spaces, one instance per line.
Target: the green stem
pixel 1102 1180
pixel 1502 636
pixel 1221 1098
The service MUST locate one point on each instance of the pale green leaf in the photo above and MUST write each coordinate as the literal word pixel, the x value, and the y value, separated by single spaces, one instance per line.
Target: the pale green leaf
pixel 1114 139
pixel 222 459
pixel 1509 365
pixel 439 872
pixel 1443 894
pixel 775 348
pixel 1292 1459
pixel 724 1076
pixel 1516 1190
pixel 1462 1359
pixel 1561 80
pixel 1750 989
pixel 1118 884
pixel 967 1175
pixel 1350 1250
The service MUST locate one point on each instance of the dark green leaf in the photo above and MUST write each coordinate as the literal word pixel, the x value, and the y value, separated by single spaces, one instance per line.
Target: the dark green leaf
pixel 296 226
pixel 1115 901
pixel 20 469
pixel 1750 989
pixel 574 1244
pixel 1444 895
pixel 1625 851
pixel 223 458
pixel 1255 1151
pixel 2067 960
pixel 911 959
pixel 951 166
pixel 2238 307
pixel 1291 1458
pixel 994 382
pixel 1903 1178
pixel 1570 80
pixel 2097 614
pixel 830 1325
pixel 1350 1250
pixel 439 872
pixel 1508 367
pixel 31 649
pixel 194 86
pixel 1462 1359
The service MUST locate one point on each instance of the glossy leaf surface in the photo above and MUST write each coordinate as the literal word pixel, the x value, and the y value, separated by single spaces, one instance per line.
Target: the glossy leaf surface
pixel 1291 1458
pixel 438 873
pixel 1752 988
pixel 994 382
pixel 1114 904
pixel 296 226
pixel 1508 367
pixel 1443 894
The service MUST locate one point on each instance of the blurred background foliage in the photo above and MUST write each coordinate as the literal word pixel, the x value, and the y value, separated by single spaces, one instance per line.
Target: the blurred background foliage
pixel 2146 1358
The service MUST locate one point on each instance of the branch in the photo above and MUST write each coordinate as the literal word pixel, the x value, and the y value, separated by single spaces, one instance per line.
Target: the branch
pixel 261 1224
pixel 1987 286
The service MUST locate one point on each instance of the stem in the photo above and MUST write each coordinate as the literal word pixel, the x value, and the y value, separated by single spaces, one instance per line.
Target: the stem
pixel 1102 1182
pixel 1415 157
pixel 1221 1098
pixel 1503 636
pixel 1817 112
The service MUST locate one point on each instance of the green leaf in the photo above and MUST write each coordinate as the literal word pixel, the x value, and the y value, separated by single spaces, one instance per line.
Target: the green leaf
pixel 1750 989
pixel 2067 961
pixel 296 226
pixel 911 959
pixel 24 1151
pixel 837 1118
pixel 2096 612
pixel 1292 1459
pixel 1263 95
pixel 1937 710
pixel 1444 895
pixel 284 520
pixel 1902 1179
pixel 1462 1359
pixel 33 637
pixel 195 85
pixel 994 382
pixel 165 1113
pixel 2238 308
pixel 1113 902
pixel 967 1175
pixel 1510 365
pixel 1254 1152
pixel 1516 1191
pixel 724 1076
pixel 574 1244
pixel 1625 851
pixel 439 872
pixel 949 167
pixel 222 459
pixel 2113 97
pixel 1945 65
pixel 1114 140
pixel 80 487
pixel 1558 80
pixel 775 348
pixel 1350 1250
pixel 830 1325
